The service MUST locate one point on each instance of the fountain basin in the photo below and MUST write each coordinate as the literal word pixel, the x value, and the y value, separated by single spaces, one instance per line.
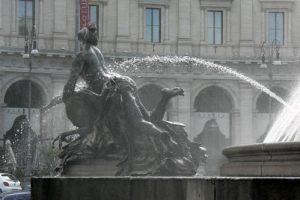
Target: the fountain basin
pixel 264 159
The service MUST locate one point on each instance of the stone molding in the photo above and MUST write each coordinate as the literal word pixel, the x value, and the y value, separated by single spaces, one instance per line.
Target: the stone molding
pixel 277 4
pixel 154 2
pixel 98 1
pixel 215 4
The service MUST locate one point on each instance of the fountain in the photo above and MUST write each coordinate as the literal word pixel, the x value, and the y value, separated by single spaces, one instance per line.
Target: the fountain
pixel 278 155
pixel 152 148
pixel 187 188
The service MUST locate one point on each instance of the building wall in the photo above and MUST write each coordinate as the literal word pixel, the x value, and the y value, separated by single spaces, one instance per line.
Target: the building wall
pixel 183 32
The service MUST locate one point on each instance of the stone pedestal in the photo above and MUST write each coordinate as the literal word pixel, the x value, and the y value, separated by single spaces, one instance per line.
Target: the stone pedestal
pixel 158 188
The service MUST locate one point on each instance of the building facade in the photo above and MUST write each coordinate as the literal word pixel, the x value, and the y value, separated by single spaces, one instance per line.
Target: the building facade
pixel 259 38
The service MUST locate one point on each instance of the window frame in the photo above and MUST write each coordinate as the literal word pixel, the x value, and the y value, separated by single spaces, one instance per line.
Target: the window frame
pixel 287 7
pixel 160 24
pixel 268 27
pixel 24 17
pixel 214 11
pixel 97 14
pixel 102 25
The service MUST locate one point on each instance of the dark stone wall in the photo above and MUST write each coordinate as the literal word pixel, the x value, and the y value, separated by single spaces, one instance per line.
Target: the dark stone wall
pixel 165 188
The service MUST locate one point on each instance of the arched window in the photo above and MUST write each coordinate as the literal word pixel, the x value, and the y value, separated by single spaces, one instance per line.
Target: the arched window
pixel 213 99
pixel 17 95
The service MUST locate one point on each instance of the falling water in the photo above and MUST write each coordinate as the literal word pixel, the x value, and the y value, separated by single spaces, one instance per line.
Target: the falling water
pixel 287 124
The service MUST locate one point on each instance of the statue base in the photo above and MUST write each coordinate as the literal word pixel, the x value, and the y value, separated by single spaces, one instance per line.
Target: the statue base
pixel 91 167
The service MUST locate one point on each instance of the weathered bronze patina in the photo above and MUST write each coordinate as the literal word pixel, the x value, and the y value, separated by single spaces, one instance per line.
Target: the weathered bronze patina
pixel 113 123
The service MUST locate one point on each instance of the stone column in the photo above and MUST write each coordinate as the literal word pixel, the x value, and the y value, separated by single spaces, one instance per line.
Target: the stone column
pixel 246 119
pixel 2 104
pixel 58 112
pixel 235 127
pixel 184 106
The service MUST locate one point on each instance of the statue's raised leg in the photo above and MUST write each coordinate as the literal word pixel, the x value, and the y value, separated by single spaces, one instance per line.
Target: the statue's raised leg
pixel 167 94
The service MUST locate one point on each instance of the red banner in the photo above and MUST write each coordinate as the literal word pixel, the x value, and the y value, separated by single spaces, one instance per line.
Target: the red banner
pixel 84 13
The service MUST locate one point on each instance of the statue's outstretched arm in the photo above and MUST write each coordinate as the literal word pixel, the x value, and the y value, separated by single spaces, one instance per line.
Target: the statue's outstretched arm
pixel 77 66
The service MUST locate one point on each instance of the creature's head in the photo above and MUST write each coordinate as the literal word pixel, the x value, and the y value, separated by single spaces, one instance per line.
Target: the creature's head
pixel 88 35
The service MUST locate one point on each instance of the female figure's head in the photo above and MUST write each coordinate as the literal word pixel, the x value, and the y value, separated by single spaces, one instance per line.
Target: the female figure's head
pixel 88 35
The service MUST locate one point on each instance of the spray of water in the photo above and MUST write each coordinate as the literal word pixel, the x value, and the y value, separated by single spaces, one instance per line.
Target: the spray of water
pixel 287 124
pixel 159 62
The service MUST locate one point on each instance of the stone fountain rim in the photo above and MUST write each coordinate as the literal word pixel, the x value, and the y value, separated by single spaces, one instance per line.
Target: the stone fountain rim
pixel 267 149
pixel 263 160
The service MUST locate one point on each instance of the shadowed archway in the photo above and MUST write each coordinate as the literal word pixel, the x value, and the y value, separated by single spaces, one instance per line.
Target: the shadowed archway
pixel 212 120
pixel 213 99
pixel 17 95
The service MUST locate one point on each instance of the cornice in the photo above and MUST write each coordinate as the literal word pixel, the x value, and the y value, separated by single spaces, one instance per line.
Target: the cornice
pixel 216 3
pixel 277 4
pixel 154 2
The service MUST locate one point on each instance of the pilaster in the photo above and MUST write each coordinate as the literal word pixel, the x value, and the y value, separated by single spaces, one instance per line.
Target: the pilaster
pixel 13 16
pixel 41 13
pixel 58 112
pixel 60 40
pixel 246 20
pixel 60 17
pixel 246 118
pixel 123 26
pixel 1 13
pixel 184 19
pixel 184 106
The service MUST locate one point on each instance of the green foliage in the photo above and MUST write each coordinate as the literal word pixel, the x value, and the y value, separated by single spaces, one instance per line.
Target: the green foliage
pixel 48 160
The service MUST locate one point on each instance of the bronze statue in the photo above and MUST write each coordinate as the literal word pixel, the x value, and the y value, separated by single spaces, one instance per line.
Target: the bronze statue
pixel 112 121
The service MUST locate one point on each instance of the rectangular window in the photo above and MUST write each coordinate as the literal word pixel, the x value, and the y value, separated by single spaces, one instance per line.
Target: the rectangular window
pixel 25 16
pixel 276 28
pixel 153 25
pixel 94 15
pixel 215 27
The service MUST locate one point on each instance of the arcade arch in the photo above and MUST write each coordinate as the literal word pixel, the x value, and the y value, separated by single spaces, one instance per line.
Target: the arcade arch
pixel 17 95
pixel 212 121
pixel 213 99
pixel 16 99
pixel 266 104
